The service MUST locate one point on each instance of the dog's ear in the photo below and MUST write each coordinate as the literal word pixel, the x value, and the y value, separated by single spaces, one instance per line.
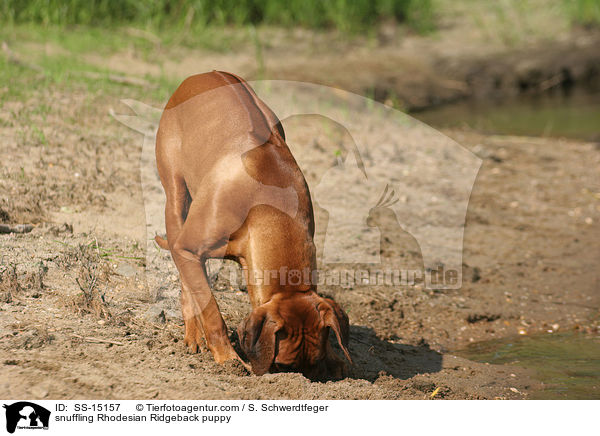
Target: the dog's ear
pixel 257 339
pixel 333 316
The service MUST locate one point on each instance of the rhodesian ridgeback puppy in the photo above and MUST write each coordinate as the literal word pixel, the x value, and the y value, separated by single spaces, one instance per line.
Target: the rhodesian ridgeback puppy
pixel 235 191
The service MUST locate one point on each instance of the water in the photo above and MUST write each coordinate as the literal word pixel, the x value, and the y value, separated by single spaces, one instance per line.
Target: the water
pixel 575 115
pixel 568 364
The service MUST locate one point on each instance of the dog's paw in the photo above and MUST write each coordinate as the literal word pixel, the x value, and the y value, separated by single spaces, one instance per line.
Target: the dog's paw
pixel 194 339
pixel 194 347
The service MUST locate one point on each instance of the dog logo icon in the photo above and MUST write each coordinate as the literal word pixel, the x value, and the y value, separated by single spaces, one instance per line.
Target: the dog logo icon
pixel 26 415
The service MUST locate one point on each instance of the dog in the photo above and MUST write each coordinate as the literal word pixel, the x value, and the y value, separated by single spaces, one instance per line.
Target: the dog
pixel 233 190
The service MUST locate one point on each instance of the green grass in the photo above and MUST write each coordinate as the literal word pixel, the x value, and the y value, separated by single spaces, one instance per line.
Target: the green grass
pixel 68 72
pixel 78 29
pixel 343 15
pixel 67 68
pixel 584 12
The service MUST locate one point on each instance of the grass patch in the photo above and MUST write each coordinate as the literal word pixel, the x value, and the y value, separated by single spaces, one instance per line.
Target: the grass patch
pixel 91 299
pixel 343 15
pixel 30 283
pixel 74 253
pixel 32 68
pixel 92 278
pixel 9 283
pixel 584 12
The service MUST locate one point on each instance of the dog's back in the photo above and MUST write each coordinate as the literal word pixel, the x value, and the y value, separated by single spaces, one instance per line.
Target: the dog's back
pixel 212 120
pixel 222 102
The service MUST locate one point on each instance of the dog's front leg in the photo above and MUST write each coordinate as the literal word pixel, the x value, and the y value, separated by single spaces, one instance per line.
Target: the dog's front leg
pixel 199 307
pixel 200 310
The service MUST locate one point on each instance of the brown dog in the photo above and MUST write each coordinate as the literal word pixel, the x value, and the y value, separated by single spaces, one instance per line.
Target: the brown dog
pixel 235 191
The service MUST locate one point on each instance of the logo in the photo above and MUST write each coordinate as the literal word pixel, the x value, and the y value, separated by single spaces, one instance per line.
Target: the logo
pixel 26 415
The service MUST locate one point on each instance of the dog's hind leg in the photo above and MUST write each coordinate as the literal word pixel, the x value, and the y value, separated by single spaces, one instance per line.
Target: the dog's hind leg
pixel 176 210
pixel 178 201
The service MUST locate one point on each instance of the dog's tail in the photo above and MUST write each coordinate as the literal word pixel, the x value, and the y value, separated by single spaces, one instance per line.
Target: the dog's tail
pixel 162 242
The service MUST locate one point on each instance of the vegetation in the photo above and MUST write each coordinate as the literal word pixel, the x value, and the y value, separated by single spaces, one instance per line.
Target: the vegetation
pixel 344 15
pixel 52 43
pixel 585 12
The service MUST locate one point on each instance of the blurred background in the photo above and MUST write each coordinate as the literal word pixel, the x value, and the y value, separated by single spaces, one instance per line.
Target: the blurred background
pixel 523 67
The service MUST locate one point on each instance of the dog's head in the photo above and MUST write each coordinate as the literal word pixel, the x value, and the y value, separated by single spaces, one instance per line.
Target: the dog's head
pixel 290 333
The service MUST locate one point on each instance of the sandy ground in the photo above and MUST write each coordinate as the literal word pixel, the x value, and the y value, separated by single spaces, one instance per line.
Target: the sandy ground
pixel 88 311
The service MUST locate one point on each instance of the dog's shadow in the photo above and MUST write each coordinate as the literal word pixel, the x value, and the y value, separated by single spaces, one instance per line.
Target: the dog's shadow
pixel 373 357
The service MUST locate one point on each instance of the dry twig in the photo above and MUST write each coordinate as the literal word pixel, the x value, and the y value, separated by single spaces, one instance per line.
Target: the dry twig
pixel 96 340
pixel 16 228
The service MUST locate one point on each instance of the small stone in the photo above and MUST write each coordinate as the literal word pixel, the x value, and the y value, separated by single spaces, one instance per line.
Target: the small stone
pixel 39 391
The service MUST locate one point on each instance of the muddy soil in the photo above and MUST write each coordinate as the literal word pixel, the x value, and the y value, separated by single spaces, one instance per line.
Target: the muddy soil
pixel 87 311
